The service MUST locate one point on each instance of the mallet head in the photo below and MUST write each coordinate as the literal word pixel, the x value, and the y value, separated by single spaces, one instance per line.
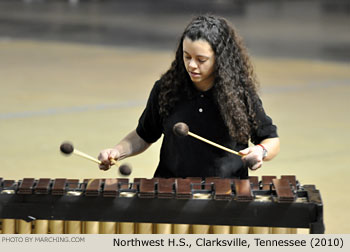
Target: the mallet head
pixel 67 148
pixel 125 169
pixel 181 129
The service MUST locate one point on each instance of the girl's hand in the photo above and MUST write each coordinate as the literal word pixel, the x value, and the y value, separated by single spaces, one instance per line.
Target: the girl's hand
pixel 253 157
pixel 108 158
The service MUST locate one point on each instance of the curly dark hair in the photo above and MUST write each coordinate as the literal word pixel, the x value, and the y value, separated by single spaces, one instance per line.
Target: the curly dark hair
pixel 235 85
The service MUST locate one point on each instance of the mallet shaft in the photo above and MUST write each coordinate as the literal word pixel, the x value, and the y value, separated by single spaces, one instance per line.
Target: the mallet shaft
pixel 214 144
pixel 79 153
pixel 82 154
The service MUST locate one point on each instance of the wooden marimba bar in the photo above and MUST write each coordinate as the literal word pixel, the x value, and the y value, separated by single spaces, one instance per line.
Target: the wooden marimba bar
pixel 271 202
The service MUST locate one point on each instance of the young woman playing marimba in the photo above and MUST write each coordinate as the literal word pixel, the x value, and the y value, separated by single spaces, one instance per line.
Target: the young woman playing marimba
pixel 211 86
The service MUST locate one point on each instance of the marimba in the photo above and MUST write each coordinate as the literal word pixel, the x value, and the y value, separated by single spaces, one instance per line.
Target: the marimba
pixel 271 202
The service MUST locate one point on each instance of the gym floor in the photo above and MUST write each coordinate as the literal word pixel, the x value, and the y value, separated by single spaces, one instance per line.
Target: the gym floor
pixel 84 75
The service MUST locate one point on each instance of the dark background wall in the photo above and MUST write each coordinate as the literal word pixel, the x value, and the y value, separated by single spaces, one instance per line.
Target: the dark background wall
pixel 317 29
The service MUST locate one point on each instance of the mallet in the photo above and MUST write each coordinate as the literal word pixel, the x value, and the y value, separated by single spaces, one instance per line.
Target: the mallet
pixel 181 129
pixel 67 149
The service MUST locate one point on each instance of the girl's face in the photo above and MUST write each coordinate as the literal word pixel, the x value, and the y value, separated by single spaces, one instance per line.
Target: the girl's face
pixel 199 60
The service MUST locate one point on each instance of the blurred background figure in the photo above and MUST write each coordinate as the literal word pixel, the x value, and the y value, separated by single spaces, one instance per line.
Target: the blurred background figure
pixel 72 68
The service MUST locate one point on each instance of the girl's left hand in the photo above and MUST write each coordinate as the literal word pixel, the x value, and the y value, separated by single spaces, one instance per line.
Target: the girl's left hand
pixel 253 157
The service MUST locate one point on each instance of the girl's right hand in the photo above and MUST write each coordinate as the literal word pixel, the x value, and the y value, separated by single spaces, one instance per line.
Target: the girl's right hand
pixel 108 158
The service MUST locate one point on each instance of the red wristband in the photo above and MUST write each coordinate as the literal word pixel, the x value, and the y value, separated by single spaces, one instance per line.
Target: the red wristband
pixel 264 150
pixel 262 146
